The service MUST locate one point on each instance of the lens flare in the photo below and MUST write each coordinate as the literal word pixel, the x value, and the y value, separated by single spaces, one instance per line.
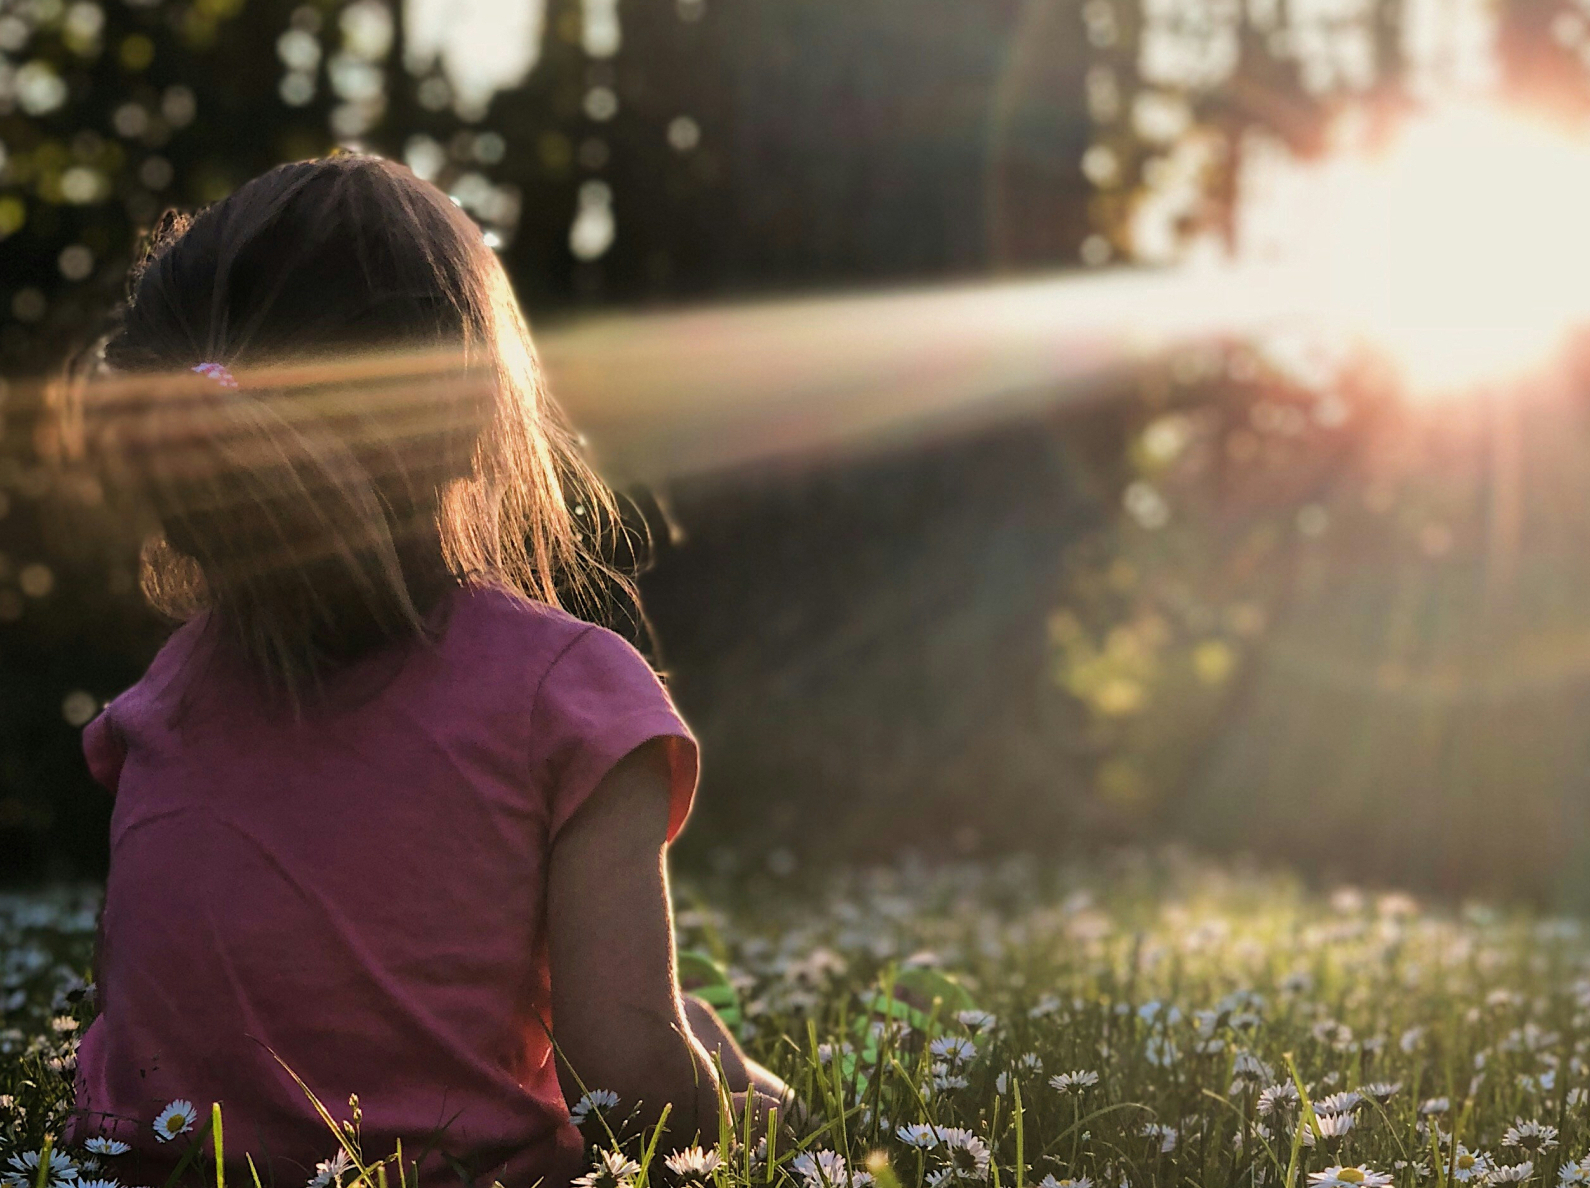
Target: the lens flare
pixel 1461 246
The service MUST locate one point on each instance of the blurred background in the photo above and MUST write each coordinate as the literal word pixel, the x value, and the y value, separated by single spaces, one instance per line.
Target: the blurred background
pixel 1267 532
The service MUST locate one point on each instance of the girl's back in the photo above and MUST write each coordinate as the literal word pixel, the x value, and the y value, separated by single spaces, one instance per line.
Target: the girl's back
pixel 356 894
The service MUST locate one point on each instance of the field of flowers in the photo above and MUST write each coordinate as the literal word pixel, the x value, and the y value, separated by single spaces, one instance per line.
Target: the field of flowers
pixel 1146 1022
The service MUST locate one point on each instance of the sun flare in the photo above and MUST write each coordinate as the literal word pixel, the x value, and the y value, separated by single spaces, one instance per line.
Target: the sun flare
pixel 1461 246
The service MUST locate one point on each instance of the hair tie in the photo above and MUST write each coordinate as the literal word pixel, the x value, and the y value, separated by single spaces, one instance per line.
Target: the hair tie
pixel 218 372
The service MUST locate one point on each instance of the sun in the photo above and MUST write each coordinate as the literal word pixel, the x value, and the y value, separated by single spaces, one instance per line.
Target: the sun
pixel 1462 246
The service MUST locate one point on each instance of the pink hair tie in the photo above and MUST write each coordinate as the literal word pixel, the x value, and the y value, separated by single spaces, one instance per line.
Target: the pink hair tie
pixel 218 372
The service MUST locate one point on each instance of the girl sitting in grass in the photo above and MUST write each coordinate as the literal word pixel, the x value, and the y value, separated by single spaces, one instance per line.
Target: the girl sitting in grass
pixel 387 819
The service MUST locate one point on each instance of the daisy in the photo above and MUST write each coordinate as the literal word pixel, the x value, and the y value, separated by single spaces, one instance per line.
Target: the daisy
pixel 1339 1103
pixel 1051 1182
pixel 1532 1136
pixel 1080 1079
pixel 596 1099
pixel 1470 1165
pixel 177 1118
pixel 953 1048
pixel 976 1020
pixel 1573 1175
pixel 329 1172
pixel 97 1183
pixel 25 1170
pixel 1382 1091
pixel 1166 1135
pixel 692 1163
pixel 1511 1173
pixel 1349 1177
pixel 1331 1128
pixel 1435 1105
pixel 1277 1098
pixel 918 1134
pixel 106 1146
pixel 612 1169
pixel 967 1155
pixel 821 1169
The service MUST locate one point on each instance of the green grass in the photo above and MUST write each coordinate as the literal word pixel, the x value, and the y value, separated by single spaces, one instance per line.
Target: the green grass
pixel 1188 989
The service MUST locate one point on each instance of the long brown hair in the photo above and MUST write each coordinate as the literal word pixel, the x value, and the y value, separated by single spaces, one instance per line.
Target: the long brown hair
pixel 389 434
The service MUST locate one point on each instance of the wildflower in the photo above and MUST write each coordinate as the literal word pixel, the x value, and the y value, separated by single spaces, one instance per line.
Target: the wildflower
pixel 24 1171
pixel 1079 1079
pixel 596 1099
pixel 177 1118
pixel 966 1154
pixel 612 1169
pixel 1331 1128
pixel 1574 1175
pixel 97 1183
pixel 1435 1105
pixel 1511 1173
pixel 1047 1005
pixel 1469 1165
pixel 1531 1136
pixel 821 1169
pixel 1339 1103
pixel 1278 1097
pixel 953 1048
pixel 329 1172
pixel 1248 1071
pixel 945 1079
pixel 106 1146
pixel 1349 1177
pixel 918 1134
pixel 1030 1062
pixel 692 1163
pixel 1050 1182
pixel 1382 1091
pixel 976 1020
pixel 1166 1135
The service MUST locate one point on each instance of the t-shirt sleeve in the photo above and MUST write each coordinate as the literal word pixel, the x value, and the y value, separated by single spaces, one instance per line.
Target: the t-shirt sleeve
pixel 597 703
pixel 104 750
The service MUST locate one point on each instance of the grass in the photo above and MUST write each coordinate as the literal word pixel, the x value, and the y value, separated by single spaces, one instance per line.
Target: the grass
pixel 1242 1029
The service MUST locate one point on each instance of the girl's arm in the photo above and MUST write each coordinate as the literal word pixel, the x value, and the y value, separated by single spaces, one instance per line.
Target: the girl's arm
pixel 743 1074
pixel 617 1015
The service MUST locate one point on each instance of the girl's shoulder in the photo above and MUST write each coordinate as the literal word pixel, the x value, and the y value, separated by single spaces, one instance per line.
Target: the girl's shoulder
pixel 501 626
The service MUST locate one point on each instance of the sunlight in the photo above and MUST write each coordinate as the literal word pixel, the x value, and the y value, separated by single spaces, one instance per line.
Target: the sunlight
pixel 1461 247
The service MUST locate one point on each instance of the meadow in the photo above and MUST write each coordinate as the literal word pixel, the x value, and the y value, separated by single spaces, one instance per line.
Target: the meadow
pixel 1141 1022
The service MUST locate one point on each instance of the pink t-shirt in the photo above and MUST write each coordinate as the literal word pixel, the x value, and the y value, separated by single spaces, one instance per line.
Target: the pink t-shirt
pixel 361 892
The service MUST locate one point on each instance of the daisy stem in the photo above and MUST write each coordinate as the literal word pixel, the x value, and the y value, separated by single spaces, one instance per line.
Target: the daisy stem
pixel 44 1163
pixel 1021 1143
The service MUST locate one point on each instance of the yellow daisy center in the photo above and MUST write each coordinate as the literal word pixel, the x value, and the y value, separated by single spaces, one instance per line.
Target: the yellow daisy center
pixel 1465 1161
pixel 1350 1175
pixel 174 1123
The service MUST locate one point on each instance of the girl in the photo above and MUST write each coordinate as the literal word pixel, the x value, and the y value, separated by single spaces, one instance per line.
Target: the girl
pixel 385 816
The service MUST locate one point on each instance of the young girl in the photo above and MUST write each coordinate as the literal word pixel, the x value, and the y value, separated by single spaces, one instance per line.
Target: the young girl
pixel 385 816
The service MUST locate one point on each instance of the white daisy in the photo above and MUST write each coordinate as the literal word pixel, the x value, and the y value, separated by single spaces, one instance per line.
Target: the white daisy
pixel 1574 1175
pixel 976 1020
pixel 953 1048
pixel 821 1169
pixel 329 1172
pixel 1080 1079
pixel 177 1118
pixel 1339 1103
pixel 918 1134
pixel 596 1099
pixel 1531 1136
pixel 966 1154
pixel 1470 1165
pixel 97 1183
pixel 1331 1128
pixel 1382 1091
pixel 1278 1097
pixel 106 1146
pixel 1349 1177
pixel 1166 1135
pixel 1511 1173
pixel 612 1169
pixel 692 1163
pixel 1051 1182
pixel 25 1169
